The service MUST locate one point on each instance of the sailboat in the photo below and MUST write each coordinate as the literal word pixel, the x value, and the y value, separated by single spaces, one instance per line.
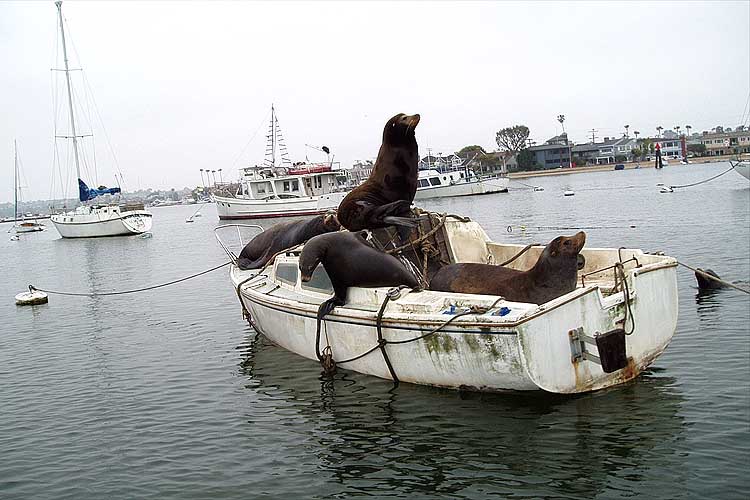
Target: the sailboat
pixel 91 219
pixel 22 226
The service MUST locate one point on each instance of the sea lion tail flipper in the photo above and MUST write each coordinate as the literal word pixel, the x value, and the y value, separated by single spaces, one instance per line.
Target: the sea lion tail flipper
pixel 400 221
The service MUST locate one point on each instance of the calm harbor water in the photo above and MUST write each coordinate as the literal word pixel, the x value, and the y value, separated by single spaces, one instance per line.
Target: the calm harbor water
pixel 169 394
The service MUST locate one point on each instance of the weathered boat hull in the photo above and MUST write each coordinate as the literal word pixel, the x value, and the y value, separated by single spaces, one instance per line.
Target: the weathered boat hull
pixel 530 350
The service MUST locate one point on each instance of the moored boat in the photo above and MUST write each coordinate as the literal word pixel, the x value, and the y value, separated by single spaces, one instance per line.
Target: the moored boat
pixel 742 167
pixel 277 188
pixel 618 320
pixel 93 219
pixel 460 182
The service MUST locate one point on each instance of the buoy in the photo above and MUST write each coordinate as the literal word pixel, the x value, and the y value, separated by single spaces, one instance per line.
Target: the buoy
pixel 538 188
pixel 147 235
pixel 14 238
pixel 568 193
pixel 198 214
pixel 189 219
pixel 666 189
pixel 31 298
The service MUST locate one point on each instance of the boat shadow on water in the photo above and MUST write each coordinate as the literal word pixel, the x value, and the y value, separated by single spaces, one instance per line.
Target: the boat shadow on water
pixel 422 440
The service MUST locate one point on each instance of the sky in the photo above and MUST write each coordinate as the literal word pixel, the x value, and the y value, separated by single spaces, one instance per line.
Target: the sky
pixel 181 86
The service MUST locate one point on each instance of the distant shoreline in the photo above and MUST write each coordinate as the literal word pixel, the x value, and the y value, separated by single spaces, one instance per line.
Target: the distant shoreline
pixel 611 166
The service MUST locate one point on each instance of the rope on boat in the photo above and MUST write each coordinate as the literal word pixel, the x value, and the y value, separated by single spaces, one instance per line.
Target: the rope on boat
pixel 525 249
pixel 707 180
pixel 709 276
pixel 382 342
pixel 123 292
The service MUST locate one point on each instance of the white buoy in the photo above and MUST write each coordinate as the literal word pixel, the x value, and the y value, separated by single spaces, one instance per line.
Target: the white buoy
pixel 189 219
pixel 198 214
pixel 31 298
pixel 568 193
pixel 666 189
pixel 538 188
pixel 147 234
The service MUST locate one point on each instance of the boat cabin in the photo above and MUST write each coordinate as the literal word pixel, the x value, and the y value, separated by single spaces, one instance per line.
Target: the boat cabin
pixel 302 181
pixel 434 178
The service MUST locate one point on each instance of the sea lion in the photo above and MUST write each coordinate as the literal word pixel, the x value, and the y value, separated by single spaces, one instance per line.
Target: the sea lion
pixel 553 275
pixel 283 235
pixel 705 283
pixel 384 199
pixel 350 261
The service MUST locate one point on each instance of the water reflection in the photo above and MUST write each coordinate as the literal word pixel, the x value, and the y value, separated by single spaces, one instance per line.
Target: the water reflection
pixel 426 441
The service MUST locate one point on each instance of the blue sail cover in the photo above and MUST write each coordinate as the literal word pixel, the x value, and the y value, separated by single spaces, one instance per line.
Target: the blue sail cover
pixel 86 193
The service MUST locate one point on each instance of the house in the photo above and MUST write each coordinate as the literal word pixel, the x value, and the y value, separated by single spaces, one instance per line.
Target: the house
pixel 554 153
pixel 586 152
pixel 440 162
pixel 670 148
pixel 360 171
pixel 726 143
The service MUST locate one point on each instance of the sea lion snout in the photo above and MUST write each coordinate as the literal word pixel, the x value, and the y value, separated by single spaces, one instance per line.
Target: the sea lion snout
pixel 579 240
pixel 412 121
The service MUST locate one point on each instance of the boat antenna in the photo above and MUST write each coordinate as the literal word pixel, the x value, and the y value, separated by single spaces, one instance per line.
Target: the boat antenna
pixel 70 94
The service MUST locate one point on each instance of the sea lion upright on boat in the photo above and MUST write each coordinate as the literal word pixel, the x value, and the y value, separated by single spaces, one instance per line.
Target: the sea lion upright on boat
pixel 385 198
pixel 283 235
pixel 553 275
pixel 350 261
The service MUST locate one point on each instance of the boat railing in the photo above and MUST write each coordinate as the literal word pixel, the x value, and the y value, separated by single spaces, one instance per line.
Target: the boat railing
pixel 222 234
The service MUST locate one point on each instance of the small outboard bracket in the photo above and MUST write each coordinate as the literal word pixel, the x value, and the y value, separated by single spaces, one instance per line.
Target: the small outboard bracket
pixel 610 346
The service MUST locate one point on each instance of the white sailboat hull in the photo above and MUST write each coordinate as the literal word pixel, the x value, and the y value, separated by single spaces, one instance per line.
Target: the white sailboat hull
pixel 99 222
pixel 244 208
pixel 743 168
pixel 467 188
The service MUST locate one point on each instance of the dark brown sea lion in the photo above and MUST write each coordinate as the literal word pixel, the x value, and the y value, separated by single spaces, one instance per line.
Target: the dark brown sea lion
pixel 385 197
pixel 283 235
pixel 350 261
pixel 553 275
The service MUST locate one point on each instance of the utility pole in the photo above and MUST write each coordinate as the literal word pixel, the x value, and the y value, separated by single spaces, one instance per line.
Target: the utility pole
pixel 593 135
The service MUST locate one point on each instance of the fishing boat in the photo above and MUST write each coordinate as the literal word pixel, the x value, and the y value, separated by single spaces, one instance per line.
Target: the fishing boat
pixel 92 219
pixel 20 224
pixel 433 183
pixel 618 320
pixel 278 188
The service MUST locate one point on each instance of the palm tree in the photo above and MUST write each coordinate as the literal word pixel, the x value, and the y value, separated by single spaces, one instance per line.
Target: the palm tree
pixel 202 182
pixel 658 130
pixel 213 173
pixel 636 134
pixel 677 129
pixel 626 130
pixel 220 178
pixel 688 127
pixel 561 119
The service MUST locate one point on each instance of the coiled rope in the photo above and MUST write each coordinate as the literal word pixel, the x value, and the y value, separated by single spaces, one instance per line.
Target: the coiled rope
pixel 123 292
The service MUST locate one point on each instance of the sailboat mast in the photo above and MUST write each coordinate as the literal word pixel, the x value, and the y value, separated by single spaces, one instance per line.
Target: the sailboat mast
pixel 70 94
pixel 15 183
pixel 273 137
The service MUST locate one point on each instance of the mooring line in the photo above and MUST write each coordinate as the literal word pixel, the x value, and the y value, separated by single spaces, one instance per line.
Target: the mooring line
pixel 706 275
pixel 152 287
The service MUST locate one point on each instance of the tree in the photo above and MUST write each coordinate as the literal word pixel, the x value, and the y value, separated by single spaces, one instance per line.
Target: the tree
pixel 688 127
pixel 620 158
pixel 525 160
pixel 626 130
pixel 636 152
pixel 636 134
pixel 698 149
pixel 659 129
pixel 512 139
pixel 471 150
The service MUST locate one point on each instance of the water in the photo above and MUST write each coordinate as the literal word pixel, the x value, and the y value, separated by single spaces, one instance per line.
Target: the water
pixel 169 394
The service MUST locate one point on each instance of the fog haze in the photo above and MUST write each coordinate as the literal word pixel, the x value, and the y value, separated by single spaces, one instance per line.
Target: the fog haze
pixel 184 85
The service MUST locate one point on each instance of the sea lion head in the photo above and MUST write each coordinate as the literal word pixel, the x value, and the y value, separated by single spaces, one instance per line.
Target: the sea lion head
pixel 400 129
pixel 312 254
pixel 566 247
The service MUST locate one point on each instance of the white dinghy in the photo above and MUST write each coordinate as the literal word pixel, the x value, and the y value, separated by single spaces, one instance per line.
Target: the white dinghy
pixel 618 320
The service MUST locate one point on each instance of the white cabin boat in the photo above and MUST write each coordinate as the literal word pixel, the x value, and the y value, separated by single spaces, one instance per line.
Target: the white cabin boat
pixel 279 189
pixel 459 182
pixel 282 192
pixel 93 219
pixel 498 345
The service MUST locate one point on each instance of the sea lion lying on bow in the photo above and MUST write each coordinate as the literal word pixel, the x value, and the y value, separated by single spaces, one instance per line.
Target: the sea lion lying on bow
pixel 350 261
pixel 553 275
pixel 283 235
pixel 385 198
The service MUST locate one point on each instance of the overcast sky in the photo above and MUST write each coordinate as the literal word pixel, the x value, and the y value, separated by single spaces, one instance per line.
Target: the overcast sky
pixel 184 85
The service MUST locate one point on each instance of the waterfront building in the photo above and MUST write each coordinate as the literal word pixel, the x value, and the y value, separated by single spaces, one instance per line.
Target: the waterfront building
pixel 726 143
pixel 554 153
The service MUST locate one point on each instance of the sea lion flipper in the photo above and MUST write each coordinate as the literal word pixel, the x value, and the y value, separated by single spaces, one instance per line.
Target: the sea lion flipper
pixel 400 221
